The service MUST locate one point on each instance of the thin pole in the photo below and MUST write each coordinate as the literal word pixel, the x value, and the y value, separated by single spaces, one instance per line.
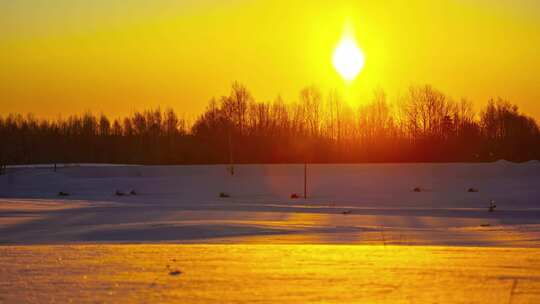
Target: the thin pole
pixel 305 180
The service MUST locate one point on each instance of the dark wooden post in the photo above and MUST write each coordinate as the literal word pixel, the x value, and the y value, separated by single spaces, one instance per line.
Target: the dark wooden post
pixel 305 180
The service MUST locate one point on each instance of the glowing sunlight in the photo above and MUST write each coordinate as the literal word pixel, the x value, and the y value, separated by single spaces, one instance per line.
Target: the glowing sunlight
pixel 348 58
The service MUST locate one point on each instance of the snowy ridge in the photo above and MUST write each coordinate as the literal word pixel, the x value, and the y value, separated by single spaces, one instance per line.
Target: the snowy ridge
pixel 419 203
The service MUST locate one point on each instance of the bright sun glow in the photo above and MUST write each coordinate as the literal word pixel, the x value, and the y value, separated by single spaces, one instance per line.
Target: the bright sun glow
pixel 348 59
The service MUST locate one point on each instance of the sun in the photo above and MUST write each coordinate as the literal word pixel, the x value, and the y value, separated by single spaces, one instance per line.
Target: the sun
pixel 348 59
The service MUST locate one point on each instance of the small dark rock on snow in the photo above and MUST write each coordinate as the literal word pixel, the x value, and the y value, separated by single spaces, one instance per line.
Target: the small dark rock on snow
pixel 119 193
pixel 417 189
pixel 346 212
pixel 61 193
pixel 175 272
pixel 472 190
pixel 295 196
pixel 224 195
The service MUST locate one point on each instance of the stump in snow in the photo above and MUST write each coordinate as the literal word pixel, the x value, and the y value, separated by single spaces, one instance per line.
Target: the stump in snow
pixel 492 206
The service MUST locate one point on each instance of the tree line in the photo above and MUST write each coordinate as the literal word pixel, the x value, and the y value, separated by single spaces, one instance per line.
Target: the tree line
pixel 424 125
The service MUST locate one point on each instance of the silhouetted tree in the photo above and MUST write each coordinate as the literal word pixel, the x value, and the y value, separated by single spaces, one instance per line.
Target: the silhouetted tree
pixel 426 125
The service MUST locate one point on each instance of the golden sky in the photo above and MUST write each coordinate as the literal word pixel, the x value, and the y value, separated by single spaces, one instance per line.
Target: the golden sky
pixel 116 56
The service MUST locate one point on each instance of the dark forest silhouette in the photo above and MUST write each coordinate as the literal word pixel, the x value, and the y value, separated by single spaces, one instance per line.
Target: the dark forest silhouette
pixel 425 125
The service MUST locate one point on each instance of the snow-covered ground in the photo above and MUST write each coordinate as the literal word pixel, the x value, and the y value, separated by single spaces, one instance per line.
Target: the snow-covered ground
pixel 352 204
pixel 259 245
pixel 239 273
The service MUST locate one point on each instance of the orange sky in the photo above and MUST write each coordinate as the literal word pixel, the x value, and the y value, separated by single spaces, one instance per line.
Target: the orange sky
pixel 115 56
